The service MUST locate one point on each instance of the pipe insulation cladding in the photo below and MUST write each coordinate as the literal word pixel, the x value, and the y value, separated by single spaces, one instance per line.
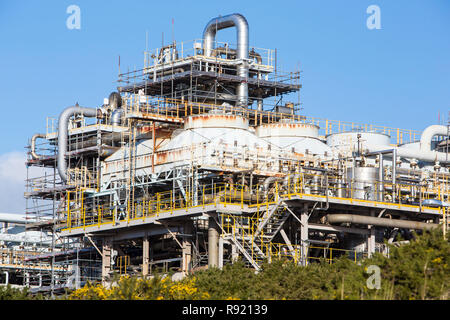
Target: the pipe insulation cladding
pixel 34 155
pixel 63 128
pixel 209 35
pixel 380 222
pixel 423 152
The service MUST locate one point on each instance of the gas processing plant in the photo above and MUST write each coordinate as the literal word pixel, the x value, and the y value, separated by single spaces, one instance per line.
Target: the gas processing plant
pixel 198 159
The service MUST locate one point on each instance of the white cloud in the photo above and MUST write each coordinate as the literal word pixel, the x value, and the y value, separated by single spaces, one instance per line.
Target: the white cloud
pixel 13 173
pixel 12 167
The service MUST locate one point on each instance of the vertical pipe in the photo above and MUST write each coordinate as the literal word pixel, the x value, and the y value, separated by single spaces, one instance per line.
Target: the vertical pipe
pixel 381 178
pixel 145 256
pixel 106 259
pixel 187 248
pixel 370 237
pixel 220 252
pixel 154 146
pixel 209 35
pixel 213 243
pixel 394 174
pixel 33 145
pixel 63 124
pixel 304 234
pixel 260 104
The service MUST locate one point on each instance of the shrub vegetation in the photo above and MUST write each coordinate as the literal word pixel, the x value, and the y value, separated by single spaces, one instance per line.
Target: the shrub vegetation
pixel 418 270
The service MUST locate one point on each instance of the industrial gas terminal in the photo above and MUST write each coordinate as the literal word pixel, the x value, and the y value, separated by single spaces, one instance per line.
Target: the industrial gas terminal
pixel 196 161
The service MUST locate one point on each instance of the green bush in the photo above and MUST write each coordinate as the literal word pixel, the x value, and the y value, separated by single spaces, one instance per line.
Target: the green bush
pixel 9 293
pixel 418 270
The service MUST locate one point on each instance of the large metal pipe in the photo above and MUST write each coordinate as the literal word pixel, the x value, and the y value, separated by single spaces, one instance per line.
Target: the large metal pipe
pixel 116 116
pixel 424 152
pixel 381 222
pixel 13 218
pixel 115 100
pixel 33 145
pixel 115 103
pixel 429 133
pixel 380 178
pixel 209 35
pixel 63 127
pixel 213 243
pixel 269 181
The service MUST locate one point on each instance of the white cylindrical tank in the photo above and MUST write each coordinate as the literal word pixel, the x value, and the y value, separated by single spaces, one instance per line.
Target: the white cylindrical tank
pixel 363 183
pixel 218 129
pixel 294 137
pixel 224 121
pixel 348 141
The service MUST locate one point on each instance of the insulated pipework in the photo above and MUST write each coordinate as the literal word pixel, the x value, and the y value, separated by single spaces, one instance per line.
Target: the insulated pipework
pixel 63 127
pixel 34 155
pixel 115 103
pixel 209 35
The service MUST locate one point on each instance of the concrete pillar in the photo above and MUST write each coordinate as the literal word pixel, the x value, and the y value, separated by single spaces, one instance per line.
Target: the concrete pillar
pixel 77 277
pixel 187 249
pixel 234 252
pixel 304 234
pixel 220 258
pixel 371 242
pixel 27 279
pixel 145 256
pixel 371 237
pixel 106 259
pixel 213 243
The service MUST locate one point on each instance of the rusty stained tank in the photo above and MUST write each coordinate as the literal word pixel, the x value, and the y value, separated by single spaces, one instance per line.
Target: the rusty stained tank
pixel 223 140
pixel 348 141
pixel 216 129
pixel 294 137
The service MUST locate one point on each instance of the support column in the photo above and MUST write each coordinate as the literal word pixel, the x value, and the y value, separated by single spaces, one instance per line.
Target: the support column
pixel 234 252
pixel 371 237
pixel 213 243
pixel 220 258
pixel 187 248
pixel 380 178
pixel 304 234
pixel 371 241
pixel 145 256
pixel 106 259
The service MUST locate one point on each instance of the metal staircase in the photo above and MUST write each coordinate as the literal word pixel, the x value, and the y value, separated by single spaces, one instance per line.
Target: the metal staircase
pixel 253 240
pixel 272 222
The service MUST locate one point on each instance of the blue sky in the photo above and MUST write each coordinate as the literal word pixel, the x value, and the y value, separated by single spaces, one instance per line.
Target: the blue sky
pixel 398 76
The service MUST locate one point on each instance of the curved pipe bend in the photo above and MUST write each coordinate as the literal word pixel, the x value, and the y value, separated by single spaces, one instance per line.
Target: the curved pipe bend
pixel 209 35
pixel 269 181
pixel 34 155
pixel 63 127
pixel 232 20
pixel 424 151
pixel 116 116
